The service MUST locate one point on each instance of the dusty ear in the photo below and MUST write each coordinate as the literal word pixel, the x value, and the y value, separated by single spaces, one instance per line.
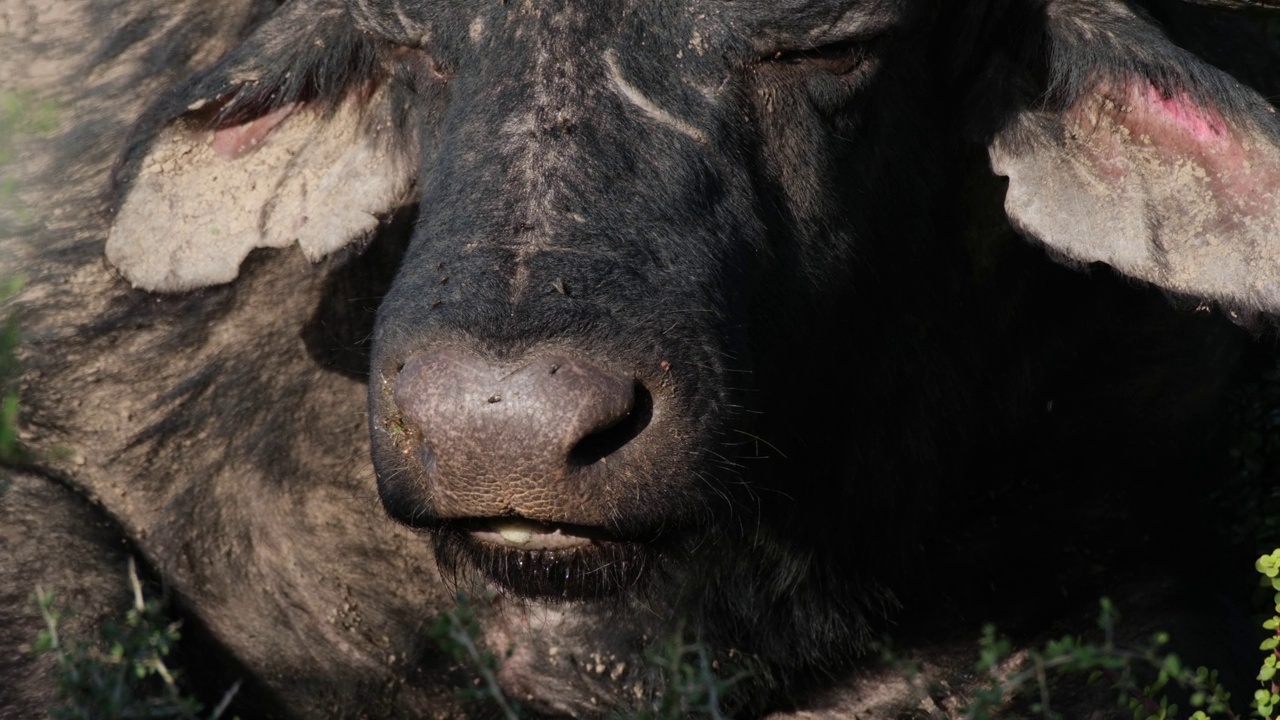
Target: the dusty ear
pixel 1130 151
pixel 290 137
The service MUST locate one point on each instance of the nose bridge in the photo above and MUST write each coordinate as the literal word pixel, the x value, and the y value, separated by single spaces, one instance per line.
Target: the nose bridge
pixel 512 174
pixel 557 83
pixel 549 175
pixel 577 235
pixel 565 122
pixel 568 164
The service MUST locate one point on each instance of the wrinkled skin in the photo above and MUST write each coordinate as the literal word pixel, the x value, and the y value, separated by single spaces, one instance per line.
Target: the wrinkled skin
pixel 776 220
pixel 767 190
pixel 702 241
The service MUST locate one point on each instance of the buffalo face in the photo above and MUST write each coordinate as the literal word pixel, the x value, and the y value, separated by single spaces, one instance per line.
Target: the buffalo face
pixel 579 352
pixel 614 320
pixel 684 335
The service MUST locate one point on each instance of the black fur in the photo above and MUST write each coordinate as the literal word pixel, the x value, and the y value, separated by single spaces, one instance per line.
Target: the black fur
pixel 808 271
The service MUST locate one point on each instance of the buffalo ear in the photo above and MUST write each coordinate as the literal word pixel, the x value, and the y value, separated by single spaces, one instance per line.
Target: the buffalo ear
pixel 290 137
pixel 1133 152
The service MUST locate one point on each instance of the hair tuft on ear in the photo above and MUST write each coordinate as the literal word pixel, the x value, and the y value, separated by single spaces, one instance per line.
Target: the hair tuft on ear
pixel 294 136
pixel 1138 154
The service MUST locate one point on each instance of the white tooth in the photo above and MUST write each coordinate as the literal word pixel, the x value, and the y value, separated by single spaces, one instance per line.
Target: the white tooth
pixel 515 536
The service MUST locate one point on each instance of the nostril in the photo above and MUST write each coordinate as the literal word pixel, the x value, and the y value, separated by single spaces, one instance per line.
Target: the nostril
pixel 604 442
pixel 481 430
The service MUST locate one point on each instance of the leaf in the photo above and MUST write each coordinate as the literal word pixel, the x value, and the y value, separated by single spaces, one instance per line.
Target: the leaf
pixel 1267 566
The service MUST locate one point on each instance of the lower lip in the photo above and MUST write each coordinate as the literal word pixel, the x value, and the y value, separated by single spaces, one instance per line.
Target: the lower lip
pixel 527 536
pixel 544 561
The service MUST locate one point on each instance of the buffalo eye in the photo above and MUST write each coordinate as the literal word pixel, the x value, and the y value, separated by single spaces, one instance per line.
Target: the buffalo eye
pixel 837 58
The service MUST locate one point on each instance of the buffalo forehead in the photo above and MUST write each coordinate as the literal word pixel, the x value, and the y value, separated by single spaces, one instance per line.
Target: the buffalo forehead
pixel 560 109
pixel 798 24
pixel 551 87
pixel 758 27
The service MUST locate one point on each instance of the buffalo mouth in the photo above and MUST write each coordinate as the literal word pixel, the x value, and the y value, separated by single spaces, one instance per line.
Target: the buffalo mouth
pixel 537 560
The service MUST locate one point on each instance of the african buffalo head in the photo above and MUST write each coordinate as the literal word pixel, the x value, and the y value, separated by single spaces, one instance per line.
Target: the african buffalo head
pixel 683 334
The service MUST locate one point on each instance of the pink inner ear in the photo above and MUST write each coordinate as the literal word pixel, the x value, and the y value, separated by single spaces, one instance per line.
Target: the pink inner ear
pixel 1137 116
pixel 1181 112
pixel 1133 133
pixel 237 140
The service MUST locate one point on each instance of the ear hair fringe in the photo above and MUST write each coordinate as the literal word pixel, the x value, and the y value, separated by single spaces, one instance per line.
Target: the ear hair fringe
pixel 322 66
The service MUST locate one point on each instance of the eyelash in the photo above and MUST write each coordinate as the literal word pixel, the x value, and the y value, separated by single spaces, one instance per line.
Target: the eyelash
pixel 839 58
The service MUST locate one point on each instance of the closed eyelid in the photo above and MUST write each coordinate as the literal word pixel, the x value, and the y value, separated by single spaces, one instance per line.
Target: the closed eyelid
pixel 862 23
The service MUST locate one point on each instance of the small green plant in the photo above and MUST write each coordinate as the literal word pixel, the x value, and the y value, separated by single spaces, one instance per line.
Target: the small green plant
pixel 693 685
pixel 1118 666
pixel 1267 697
pixel 457 632
pixel 1099 661
pixel 11 452
pixel 125 675
pixel 22 114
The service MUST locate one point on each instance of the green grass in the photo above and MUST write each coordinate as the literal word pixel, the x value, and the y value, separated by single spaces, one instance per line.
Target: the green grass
pixel 125 673
pixel 22 115
pixel 11 450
